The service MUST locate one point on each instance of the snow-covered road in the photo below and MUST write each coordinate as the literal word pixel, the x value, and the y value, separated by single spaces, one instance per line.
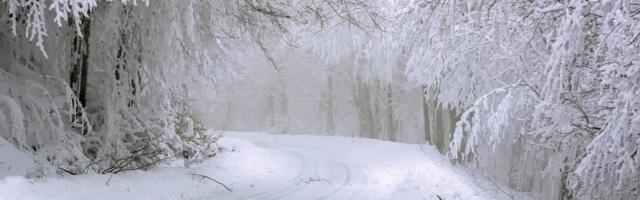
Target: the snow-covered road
pixel 321 174
pixel 314 179
pixel 350 168
pixel 263 166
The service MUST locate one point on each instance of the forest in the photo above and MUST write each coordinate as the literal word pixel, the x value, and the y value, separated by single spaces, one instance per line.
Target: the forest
pixel 539 98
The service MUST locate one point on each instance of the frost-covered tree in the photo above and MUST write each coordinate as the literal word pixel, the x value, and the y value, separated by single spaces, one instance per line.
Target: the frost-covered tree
pixel 102 100
pixel 534 80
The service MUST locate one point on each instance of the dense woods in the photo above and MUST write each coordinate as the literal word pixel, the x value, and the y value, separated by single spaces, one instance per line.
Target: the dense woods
pixel 540 95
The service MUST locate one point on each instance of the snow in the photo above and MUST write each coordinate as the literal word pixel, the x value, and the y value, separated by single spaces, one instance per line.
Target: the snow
pixel 264 166
pixel 547 91
pixel 13 162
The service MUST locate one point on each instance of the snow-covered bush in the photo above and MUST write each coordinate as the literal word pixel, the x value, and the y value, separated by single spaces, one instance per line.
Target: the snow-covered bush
pixel 39 120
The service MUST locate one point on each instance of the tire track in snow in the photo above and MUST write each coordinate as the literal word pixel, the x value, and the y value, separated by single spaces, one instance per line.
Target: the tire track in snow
pixel 293 188
pixel 285 188
pixel 318 164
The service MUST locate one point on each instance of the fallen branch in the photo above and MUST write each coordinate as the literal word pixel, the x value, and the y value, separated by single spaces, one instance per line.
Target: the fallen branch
pixel 67 171
pixel 498 186
pixel 203 177
pixel 109 180
pixel 310 179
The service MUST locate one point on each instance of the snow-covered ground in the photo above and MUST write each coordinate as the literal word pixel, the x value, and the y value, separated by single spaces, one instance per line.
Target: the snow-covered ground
pixel 13 161
pixel 263 166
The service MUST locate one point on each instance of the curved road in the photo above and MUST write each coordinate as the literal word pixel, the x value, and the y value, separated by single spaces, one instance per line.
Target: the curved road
pixel 324 175
pixel 320 167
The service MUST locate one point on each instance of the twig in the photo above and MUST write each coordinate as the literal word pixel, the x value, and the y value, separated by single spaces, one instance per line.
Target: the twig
pixel 310 179
pixel 66 170
pixel 498 186
pixel 109 180
pixel 207 177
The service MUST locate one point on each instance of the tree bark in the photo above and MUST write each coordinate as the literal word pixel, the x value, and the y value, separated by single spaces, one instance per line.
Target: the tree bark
pixel 86 27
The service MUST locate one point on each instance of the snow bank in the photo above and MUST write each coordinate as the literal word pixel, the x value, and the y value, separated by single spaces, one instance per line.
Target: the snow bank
pixel 241 163
pixel 14 162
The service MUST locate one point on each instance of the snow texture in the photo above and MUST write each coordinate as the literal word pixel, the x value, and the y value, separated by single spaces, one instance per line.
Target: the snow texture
pixel 261 166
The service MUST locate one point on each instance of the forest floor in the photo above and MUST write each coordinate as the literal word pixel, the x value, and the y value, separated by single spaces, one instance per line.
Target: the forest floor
pixel 264 166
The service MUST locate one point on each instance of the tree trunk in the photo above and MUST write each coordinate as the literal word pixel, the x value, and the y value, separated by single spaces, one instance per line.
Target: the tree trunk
pixel 79 70
pixel 425 116
pixel 363 105
pixel 440 132
pixel 391 125
pixel 330 106
pixel 86 27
